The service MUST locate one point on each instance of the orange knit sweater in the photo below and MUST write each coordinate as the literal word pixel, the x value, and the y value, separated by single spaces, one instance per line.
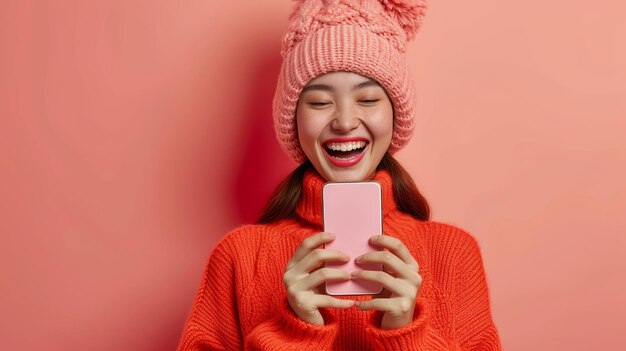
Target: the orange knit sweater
pixel 242 304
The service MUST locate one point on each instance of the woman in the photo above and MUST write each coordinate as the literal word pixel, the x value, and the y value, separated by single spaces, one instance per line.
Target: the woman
pixel 343 106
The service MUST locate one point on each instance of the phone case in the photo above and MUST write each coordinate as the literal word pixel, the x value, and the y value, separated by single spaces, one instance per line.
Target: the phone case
pixel 353 212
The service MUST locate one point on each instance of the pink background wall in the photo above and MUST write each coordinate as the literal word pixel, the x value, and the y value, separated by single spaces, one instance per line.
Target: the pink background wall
pixel 133 134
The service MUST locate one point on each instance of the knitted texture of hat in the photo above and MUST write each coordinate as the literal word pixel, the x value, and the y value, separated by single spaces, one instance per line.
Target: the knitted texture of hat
pixel 367 37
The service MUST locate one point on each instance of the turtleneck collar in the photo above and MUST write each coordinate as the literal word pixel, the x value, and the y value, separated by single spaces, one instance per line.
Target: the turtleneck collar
pixel 309 206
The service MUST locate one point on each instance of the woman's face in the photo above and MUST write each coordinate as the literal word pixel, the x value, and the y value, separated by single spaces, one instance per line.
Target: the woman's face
pixel 345 125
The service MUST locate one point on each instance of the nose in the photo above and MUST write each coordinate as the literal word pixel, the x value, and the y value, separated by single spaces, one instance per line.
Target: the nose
pixel 345 120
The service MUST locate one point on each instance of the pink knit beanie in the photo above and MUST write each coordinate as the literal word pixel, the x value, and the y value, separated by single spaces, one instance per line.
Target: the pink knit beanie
pixel 367 37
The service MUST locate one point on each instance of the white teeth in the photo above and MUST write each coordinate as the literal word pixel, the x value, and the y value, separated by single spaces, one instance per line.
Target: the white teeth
pixel 349 146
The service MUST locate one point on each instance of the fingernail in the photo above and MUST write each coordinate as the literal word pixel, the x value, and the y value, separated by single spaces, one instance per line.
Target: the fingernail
pixel 375 237
pixel 358 259
pixel 357 303
pixel 331 235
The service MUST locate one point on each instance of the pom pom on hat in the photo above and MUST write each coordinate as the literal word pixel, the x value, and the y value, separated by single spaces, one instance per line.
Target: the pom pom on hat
pixel 367 37
pixel 408 13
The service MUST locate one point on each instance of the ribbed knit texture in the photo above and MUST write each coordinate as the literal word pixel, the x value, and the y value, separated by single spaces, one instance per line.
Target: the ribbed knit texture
pixel 242 304
pixel 367 37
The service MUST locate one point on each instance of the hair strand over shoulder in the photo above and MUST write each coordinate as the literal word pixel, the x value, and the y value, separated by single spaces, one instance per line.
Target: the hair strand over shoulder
pixel 283 201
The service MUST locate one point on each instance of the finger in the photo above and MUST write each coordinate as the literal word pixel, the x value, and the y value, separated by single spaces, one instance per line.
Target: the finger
pixel 388 260
pixel 312 261
pixel 393 264
pixel 307 245
pixel 317 257
pixel 328 301
pixel 396 246
pixel 395 285
pixel 394 305
pixel 321 276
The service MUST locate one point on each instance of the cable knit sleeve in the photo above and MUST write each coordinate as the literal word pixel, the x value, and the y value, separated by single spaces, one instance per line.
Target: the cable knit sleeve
pixel 213 323
pixel 286 331
pixel 417 335
pixel 475 329
pixel 282 329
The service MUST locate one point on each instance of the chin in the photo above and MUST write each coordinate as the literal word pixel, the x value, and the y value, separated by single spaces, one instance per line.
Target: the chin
pixel 345 175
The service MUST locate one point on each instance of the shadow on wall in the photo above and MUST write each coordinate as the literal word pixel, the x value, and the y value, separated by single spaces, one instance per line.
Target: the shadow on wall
pixel 263 163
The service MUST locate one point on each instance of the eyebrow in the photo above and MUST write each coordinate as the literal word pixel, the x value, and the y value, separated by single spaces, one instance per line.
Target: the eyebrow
pixel 324 87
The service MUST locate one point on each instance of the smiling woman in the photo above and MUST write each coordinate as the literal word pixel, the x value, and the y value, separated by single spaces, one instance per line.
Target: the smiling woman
pixel 345 124
pixel 344 104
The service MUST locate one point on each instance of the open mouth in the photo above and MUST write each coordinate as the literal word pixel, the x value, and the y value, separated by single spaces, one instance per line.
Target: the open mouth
pixel 345 150
pixel 345 153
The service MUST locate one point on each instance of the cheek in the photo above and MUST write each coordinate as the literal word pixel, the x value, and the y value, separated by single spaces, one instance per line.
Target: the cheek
pixel 309 129
pixel 382 125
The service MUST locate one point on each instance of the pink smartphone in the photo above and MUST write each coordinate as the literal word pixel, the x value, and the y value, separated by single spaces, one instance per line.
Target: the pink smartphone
pixel 353 212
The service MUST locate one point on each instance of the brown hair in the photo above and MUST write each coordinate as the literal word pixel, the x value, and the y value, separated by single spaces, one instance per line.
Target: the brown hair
pixel 282 203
